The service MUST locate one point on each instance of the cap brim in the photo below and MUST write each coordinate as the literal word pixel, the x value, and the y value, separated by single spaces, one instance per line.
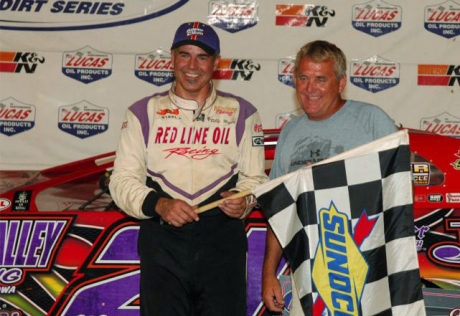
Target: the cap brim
pixel 201 45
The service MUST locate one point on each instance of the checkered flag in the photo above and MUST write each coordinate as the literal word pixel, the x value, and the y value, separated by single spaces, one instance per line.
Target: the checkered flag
pixel 347 230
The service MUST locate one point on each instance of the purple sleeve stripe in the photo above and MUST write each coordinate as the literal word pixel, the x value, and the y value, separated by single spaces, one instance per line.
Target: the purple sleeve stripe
pixel 139 109
pixel 192 196
pixel 246 110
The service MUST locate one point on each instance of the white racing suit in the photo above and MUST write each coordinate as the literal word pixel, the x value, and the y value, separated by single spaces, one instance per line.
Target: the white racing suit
pixel 171 148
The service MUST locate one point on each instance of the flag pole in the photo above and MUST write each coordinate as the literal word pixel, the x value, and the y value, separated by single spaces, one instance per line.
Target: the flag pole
pixel 214 204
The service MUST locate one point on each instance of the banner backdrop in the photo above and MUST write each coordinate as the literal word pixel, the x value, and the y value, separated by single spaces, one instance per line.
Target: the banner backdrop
pixel 70 68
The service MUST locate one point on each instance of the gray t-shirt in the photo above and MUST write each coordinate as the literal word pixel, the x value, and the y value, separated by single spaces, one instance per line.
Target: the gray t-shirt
pixel 303 141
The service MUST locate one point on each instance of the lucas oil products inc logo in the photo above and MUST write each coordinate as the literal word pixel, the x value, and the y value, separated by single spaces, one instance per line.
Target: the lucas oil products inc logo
pixel 83 119
pixel 16 117
pixel 307 15
pixel 374 74
pixel 377 18
pixel 87 65
pixel 286 71
pixel 20 62
pixel 443 124
pixel 235 69
pixel 233 16
pixel 155 68
pixel 443 19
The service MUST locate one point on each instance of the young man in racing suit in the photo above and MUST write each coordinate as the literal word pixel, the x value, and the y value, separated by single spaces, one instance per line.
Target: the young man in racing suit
pixel 183 148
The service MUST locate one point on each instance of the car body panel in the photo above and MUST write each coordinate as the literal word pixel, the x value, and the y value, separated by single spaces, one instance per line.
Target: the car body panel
pixel 67 249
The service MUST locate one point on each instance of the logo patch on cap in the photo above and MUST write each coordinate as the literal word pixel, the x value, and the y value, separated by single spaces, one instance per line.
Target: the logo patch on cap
pixel 194 31
pixel 198 34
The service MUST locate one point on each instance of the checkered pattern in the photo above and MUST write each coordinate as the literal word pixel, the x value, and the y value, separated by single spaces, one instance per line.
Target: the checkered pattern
pixel 370 188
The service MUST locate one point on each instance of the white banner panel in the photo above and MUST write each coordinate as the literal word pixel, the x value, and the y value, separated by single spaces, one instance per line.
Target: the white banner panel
pixel 70 68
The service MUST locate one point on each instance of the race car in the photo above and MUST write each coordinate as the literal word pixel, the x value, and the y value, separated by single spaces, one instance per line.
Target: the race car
pixel 68 250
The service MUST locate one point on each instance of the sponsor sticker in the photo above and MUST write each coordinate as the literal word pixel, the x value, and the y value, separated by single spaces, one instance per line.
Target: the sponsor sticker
pixel 168 112
pixel 235 69
pixel 286 71
pixel 306 15
pixel 4 204
pixel 21 200
pixel 233 16
pixel 456 163
pixel 225 110
pixel 83 119
pixel 154 67
pixel 419 198
pixel 257 141
pixel 436 198
pixel 20 62
pixel 258 128
pixel 420 173
pixel 438 75
pixel 443 19
pixel 376 18
pixel 87 65
pixel 453 197
pixel 16 117
pixel 443 124
pixel 374 73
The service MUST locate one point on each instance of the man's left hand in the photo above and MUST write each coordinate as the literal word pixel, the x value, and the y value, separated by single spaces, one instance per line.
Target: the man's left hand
pixel 233 207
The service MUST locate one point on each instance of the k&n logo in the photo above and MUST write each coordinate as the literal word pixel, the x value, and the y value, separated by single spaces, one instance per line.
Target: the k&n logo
pixel 16 62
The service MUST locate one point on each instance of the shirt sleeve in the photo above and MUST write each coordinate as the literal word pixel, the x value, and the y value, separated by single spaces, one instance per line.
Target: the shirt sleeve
pixel 277 169
pixel 252 158
pixel 252 155
pixel 127 182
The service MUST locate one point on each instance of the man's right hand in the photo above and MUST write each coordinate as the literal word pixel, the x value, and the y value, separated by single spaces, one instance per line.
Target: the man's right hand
pixel 176 212
pixel 272 294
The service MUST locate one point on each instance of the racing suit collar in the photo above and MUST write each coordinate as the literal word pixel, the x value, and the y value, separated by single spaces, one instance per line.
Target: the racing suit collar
pixel 192 105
